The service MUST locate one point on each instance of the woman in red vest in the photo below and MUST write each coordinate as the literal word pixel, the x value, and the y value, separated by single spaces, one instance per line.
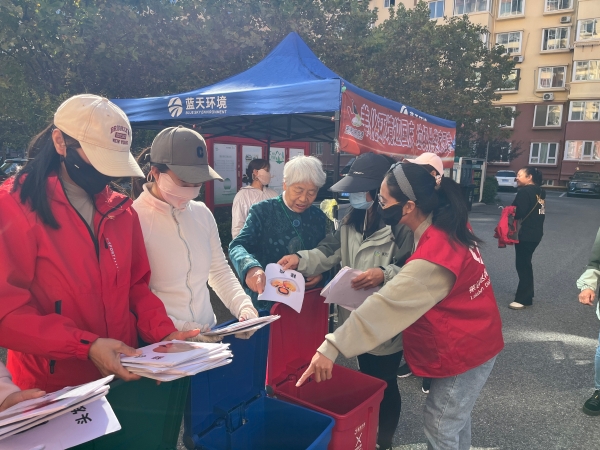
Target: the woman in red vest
pixel 442 300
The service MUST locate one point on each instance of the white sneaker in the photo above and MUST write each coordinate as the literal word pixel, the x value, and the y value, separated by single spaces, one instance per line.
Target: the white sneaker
pixel 515 305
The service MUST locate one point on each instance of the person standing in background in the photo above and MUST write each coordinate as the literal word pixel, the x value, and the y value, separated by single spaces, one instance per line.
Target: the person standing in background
pixel 259 175
pixel 531 212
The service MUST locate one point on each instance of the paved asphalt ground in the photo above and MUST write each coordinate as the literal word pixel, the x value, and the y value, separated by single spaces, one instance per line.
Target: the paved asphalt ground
pixel 533 398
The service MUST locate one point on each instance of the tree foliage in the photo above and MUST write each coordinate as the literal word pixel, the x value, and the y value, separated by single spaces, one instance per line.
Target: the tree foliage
pixel 444 70
pixel 52 49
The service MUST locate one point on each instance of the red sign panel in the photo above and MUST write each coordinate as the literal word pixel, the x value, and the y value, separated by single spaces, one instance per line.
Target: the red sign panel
pixel 368 127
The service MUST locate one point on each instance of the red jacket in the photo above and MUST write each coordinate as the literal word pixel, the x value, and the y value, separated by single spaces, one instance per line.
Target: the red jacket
pixel 462 331
pixel 62 289
pixel 507 230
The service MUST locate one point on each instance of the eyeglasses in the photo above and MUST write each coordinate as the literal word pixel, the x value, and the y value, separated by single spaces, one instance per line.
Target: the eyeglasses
pixel 380 201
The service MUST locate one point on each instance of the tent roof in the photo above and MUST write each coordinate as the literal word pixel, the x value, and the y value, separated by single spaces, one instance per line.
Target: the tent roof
pixel 289 95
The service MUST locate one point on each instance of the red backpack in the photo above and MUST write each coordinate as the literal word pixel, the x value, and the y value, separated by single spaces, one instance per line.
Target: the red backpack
pixel 507 230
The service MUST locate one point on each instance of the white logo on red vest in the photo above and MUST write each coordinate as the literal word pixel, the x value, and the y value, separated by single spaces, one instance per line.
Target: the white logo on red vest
pixel 112 253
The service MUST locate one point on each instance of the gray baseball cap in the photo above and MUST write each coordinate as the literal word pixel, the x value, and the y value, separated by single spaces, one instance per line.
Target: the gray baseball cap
pixel 184 152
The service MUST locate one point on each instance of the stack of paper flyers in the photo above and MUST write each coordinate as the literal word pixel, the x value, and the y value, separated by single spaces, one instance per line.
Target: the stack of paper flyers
pixel 340 290
pixel 31 413
pixel 170 360
pixel 241 327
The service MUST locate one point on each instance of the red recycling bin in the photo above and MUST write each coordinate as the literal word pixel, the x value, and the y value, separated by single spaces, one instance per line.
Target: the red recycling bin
pixel 350 397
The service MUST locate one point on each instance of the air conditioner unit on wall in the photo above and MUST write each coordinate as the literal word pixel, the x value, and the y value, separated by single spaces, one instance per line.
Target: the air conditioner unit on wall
pixel 548 97
pixel 565 19
pixel 518 59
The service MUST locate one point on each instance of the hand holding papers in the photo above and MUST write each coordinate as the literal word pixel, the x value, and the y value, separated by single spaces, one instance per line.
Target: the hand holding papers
pixel 340 291
pixel 170 360
pixel 239 327
pixel 30 413
pixel 284 286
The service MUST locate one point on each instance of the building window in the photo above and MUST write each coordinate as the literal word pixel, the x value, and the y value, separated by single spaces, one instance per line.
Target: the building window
pixel 588 29
pixel 587 70
pixel 543 153
pixel 555 38
pixel 585 111
pixel 436 9
pixel 388 3
pixel 510 8
pixel 319 149
pixel 557 5
pixel 508 123
pixel 582 150
pixel 512 81
pixel 485 38
pixel 470 6
pixel 552 77
pixel 511 41
pixel 547 182
pixel 547 116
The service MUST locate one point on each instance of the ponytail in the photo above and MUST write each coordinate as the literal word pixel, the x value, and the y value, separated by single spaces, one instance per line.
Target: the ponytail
pixel 33 178
pixel 451 214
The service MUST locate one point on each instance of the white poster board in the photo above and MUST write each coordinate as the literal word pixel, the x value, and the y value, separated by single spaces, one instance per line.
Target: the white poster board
pixel 284 286
pixel 296 152
pixel 249 152
pixel 225 163
pixel 277 161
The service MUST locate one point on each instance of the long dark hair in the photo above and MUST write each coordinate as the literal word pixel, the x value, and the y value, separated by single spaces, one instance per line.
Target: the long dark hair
pixel 143 159
pixel 255 164
pixel 536 174
pixel 445 201
pixel 356 218
pixel 46 162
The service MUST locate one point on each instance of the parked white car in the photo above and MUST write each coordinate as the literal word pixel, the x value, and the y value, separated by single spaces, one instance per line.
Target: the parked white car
pixel 506 179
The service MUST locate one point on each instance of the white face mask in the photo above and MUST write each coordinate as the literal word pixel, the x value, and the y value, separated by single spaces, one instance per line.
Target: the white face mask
pixel 176 196
pixel 263 176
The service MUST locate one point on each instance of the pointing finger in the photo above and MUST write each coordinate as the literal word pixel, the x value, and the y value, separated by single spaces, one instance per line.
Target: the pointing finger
pixel 306 375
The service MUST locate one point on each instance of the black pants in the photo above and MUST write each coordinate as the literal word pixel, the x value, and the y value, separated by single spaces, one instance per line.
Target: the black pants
pixel 385 368
pixel 523 254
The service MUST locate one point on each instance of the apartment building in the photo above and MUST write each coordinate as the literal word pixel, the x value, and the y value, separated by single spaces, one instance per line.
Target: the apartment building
pixel 556 88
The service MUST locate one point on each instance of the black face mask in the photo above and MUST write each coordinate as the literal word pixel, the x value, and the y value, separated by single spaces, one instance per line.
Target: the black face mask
pixel 392 215
pixel 83 174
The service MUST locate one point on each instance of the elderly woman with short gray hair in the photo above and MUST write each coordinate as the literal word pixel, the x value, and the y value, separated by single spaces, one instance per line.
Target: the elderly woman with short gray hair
pixel 279 226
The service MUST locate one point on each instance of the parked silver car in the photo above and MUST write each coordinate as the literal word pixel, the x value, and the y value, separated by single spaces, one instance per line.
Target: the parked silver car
pixel 507 179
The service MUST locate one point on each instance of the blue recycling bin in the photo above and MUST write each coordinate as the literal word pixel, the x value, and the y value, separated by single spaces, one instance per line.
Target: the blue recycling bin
pixel 228 408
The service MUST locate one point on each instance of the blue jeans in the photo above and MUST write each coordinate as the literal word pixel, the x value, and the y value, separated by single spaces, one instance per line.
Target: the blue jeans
pixel 449 405
pixel 598 364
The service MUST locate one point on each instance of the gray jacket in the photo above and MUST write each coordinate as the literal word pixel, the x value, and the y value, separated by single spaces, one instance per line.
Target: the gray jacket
pixel 385 248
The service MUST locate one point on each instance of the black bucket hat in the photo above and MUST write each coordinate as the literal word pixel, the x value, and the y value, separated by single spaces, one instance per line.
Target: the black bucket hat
pixel 366 174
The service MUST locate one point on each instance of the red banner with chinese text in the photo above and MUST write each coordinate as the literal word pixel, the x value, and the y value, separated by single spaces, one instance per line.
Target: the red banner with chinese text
pixel 368 127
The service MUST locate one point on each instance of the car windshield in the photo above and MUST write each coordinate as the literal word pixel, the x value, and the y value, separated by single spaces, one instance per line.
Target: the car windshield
pixel 587 176
pixel 506 173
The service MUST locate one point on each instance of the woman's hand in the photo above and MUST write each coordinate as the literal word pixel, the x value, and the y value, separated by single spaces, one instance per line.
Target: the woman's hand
pixel 368 279
pixel 587 297
pixel 245 314
pixel 289 262
pixel 256 280
pixel 106 355
pixel 21 396
pixel 321 366
pixel 311 282
pixel 192 330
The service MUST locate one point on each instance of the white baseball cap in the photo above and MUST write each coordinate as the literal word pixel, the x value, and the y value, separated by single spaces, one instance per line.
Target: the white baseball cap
pixel 104 132
pixel 429 159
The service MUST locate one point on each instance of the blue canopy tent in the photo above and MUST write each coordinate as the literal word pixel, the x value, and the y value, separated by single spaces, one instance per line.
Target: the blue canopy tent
pixel 289 96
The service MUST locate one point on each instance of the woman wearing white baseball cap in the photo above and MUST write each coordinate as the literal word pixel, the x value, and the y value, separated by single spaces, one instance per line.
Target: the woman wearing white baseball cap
pixel 73 267
pixel 181 235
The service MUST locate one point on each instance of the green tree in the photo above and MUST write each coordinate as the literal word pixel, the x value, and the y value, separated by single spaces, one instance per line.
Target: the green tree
pixel 444 70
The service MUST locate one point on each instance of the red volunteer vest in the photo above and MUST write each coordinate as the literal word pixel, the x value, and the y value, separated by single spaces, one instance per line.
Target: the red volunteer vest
pixel 462 331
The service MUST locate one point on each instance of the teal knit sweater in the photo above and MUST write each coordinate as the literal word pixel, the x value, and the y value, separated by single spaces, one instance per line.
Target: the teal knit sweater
pixel 271 231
